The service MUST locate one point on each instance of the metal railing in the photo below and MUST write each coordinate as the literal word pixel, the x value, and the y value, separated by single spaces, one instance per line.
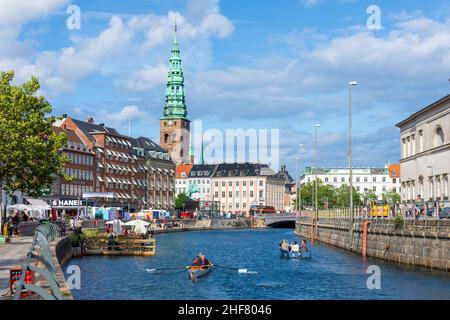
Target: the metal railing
pixel 39 260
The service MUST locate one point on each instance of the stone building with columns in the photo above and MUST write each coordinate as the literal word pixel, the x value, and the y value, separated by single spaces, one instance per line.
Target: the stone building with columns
pixel 425 154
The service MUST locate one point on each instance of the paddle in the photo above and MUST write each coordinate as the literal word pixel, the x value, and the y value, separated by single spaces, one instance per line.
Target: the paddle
pixel 241 271
pixel 162 269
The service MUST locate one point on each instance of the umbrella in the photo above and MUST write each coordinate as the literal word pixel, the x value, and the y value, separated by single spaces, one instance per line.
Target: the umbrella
pixel 115 222
pixel 137 222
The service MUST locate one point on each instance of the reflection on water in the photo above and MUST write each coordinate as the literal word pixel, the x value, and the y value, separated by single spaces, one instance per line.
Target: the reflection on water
pixel 331 273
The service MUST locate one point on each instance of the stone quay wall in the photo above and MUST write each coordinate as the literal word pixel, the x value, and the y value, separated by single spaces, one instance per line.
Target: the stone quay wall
pixel 416 243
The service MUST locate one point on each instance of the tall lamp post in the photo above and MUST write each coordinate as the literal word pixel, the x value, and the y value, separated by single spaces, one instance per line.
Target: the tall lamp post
pixel 316 127
pixel 350 156
pixel 298 192
pixel 350 150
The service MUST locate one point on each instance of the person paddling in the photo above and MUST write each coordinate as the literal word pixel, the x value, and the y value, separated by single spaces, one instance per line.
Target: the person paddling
pixel 295 248
pixel 303 247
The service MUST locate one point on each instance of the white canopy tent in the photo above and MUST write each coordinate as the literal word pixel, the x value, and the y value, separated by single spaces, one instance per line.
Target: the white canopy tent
pixel 36 208
pixel 139 226
pixel 117 225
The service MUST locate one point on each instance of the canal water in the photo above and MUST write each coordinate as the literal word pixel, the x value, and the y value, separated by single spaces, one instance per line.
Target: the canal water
pixel 331 273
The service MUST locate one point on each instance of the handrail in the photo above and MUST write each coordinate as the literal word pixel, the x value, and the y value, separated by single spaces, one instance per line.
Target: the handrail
pixel 40 251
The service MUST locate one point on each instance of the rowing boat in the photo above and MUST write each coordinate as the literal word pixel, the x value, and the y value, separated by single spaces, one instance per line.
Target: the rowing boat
pixel 302 255
pixel 196 272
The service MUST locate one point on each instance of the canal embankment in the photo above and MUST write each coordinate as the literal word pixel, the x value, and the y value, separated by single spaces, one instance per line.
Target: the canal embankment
pixel 424 243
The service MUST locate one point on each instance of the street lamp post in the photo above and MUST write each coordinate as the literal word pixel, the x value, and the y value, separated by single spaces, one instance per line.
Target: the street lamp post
pixel 350 150
pixel 298 192
pixel 316 127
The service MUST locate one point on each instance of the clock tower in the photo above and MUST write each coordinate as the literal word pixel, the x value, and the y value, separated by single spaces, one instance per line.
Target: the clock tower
pixel 175 126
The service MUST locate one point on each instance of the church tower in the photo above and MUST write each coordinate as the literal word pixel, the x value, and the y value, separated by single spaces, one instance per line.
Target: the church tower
pixel 175 126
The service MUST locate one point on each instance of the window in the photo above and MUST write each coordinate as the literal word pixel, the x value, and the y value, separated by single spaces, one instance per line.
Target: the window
pixel 439 138
pixel 166 138
pixel 216 194
pixel 326 179
pixel 394 180
pixel 421 141
pixel 374 179
pixel 216 184
pixel 230 194
pixel 365 179
pixel 261 183
pixel 223 194
pixel 358 179
pixel 342 179
pixel 223 183
pixel 374 189
pixel 335 179
pixel 384 179
pixel 251 194
pixel 230 183
pixel 251 183
pixel 261 194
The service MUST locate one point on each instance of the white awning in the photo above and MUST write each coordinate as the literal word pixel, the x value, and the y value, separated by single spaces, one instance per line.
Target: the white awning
pixel 99 179
pixel 109 153
pixel 113 139
pixel 100 149
pixel 38 203
pixel 100 165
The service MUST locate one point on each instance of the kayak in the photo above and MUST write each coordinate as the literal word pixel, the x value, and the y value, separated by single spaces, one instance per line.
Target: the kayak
pixel 196 272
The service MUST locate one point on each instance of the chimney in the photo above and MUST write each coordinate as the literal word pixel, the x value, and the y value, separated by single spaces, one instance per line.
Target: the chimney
pixel 90 120
pixel 102 124
pixel 64 115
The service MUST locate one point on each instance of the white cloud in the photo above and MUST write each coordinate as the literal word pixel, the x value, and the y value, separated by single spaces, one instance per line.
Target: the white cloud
pixel 147 78
pixel 126 113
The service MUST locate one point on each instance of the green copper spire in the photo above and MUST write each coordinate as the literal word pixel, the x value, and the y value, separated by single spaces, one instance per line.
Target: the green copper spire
pixel 175 102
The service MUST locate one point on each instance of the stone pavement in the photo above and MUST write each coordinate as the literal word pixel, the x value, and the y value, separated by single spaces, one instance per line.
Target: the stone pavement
pixel 12 254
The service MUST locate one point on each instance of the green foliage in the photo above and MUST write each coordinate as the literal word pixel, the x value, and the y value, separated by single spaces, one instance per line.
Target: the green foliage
pixel 180 201
pixel 77 239
pixel 391 197
pixel 91 233
pixel 335 197
pixel 343 196
pixel 30 154
pixel 369 197
pixel 398 221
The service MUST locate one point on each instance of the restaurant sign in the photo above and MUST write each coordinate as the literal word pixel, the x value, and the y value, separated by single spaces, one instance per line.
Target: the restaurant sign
pixel 68 203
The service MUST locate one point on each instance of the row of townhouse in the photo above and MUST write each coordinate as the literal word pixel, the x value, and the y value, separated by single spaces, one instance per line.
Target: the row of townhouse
pixel 234 186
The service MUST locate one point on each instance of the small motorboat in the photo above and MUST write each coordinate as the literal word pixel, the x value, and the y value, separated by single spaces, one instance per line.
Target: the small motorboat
pixel 196 272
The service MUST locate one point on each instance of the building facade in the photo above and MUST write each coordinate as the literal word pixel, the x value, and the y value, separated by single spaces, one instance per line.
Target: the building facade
pixel 181 178
pixel 200 180
pixel 238 186
pixel 289 188
pixel 377 180
pixel 175 126
pixel 67 196
pixel 137 172
pixel 425 153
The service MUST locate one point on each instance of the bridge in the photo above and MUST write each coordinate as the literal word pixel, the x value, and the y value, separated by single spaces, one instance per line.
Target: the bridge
pixel 279 220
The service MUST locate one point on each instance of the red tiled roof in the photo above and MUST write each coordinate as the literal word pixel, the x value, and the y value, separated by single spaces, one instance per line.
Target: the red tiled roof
pixel 186 168
pixel 394 170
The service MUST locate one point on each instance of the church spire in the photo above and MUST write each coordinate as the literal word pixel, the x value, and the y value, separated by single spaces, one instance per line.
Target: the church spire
pixel 175 107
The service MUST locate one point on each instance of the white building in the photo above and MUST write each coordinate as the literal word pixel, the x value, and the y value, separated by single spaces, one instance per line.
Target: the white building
pixel 200 179
pixel 425 153
pixel 181 178
pixel 377 180
pixel 238 186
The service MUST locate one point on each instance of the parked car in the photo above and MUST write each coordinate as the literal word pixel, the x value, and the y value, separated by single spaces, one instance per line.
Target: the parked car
pixel 445 213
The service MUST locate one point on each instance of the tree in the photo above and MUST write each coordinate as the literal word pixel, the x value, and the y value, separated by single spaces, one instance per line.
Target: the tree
pixel 369 197
pixel 391 197
pixel 30 152
pixel 180 201
pixel 325 194
pixel 343 196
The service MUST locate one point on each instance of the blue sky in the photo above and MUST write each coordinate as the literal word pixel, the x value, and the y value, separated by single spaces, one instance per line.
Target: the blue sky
pixel 248 64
